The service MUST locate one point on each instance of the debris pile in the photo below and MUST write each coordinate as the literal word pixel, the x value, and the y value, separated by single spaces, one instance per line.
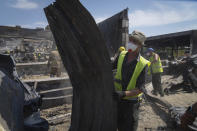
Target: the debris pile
pixel 21 103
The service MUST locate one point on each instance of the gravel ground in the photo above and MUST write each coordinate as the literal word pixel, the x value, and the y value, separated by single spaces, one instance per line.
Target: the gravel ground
pixel 155 116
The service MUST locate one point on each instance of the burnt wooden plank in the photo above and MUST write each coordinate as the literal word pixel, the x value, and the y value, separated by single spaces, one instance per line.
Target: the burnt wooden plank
pixel 85 56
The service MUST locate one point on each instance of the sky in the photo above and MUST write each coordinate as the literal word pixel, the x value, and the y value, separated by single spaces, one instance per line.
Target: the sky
pixel 152 17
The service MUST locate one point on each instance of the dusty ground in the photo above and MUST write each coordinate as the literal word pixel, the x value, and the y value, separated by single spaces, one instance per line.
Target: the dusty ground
pixel 153 115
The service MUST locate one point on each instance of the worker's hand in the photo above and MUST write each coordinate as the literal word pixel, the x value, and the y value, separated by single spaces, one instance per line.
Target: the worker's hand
pixel 118 95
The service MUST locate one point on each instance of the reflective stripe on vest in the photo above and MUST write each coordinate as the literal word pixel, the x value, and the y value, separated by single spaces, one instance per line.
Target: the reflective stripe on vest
pixel 138 69
pixel 157 66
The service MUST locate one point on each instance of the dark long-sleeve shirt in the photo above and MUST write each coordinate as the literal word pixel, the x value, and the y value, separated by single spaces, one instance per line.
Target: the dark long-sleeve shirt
pixel 127 72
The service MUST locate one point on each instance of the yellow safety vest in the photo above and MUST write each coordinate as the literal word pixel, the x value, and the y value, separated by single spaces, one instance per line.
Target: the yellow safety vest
pixel 157 66
pixel 138 69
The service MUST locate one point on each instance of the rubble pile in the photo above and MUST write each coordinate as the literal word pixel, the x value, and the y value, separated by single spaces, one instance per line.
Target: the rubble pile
pixel 21 103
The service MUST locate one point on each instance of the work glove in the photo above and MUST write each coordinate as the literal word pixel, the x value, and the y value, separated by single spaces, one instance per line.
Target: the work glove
pixel 118 95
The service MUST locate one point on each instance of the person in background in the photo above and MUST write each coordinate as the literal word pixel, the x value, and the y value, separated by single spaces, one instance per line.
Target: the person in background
pixel 130 82
pixel 156 71
pixel 122 48
pixel 54 64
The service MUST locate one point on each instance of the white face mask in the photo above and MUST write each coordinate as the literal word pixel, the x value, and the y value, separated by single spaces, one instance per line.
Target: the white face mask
pixel 148 54
pixel 131 46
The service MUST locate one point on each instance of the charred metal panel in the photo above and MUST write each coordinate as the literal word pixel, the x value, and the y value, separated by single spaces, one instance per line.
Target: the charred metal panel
pixel 115 31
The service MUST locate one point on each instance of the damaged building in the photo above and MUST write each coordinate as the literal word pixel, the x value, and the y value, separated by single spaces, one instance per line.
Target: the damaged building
pixel 174 45
pixel 31 50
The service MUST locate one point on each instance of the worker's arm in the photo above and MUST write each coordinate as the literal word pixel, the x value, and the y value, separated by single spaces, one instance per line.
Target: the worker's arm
pixel 115 62
pixel 156 58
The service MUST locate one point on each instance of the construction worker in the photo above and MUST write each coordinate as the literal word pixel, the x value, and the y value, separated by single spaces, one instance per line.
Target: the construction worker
pixel 35 57
pixel 39 57
pixel 156 70
pixel 122 48
pixel 130 81
pixel 54 64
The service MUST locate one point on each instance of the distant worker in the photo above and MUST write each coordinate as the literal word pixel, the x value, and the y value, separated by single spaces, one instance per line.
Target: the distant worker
pixel 54 64
pixel 122 48
pixel 39 57
pixel 130 82
pixel 35 57
pixel 156 71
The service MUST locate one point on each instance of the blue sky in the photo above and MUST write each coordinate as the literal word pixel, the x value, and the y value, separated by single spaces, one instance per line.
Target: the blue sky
pixel 153 17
